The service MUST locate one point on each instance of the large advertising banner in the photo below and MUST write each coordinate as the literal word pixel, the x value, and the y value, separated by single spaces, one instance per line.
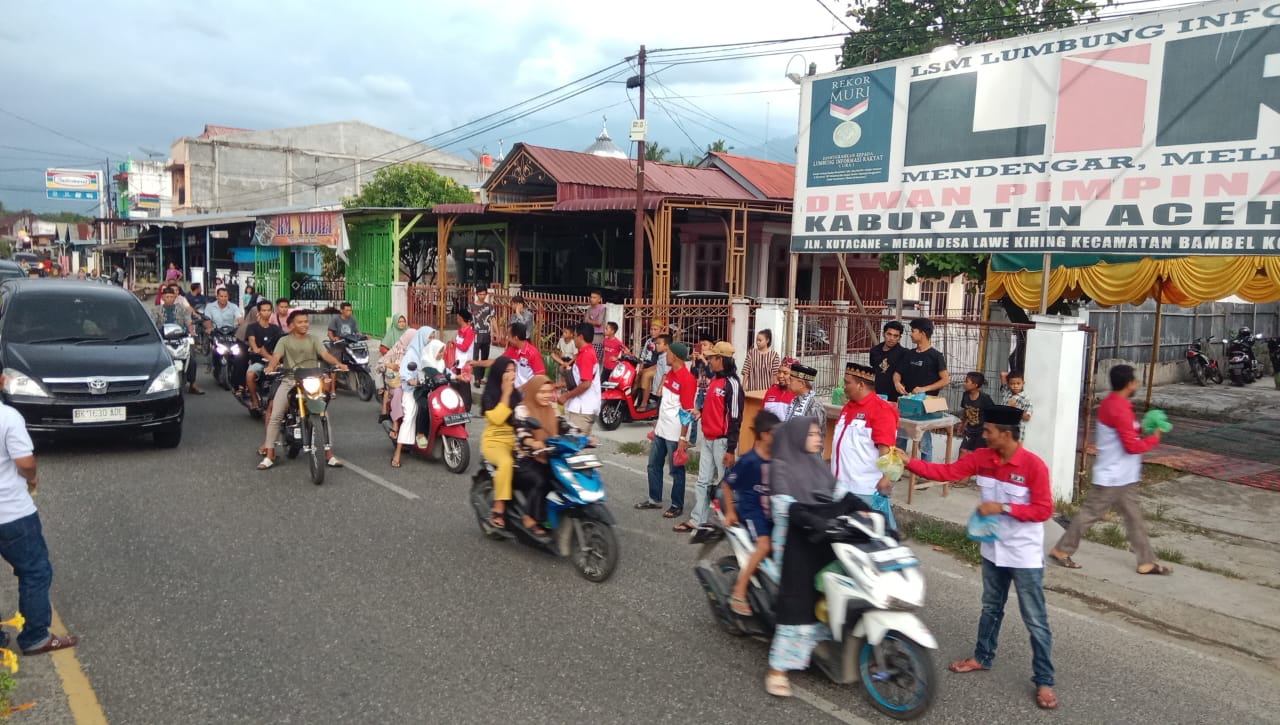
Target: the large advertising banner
pixel 1156 134
pixel 318 228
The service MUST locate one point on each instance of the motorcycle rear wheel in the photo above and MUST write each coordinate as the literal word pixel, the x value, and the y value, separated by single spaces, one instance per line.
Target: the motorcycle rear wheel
pixel 482 502
pixel 1216 374
pixel 1197 372
pixel 313 433
pixel 909 668
pixel 596 556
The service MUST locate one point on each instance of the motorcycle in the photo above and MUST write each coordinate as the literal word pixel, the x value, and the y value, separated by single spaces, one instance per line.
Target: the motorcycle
pixel 579 526
pixel 226 350
pixel 1273 350
pixel 1203 368
pixel 243 397
pixel 619 396
pixel 355 355
pixel 442 418
pixel 179 344
pixel 1242 365
pixel 305 428
pixel 869 592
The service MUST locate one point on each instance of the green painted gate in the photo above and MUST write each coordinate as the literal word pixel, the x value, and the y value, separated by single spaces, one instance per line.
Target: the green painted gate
pixel 271 271
pixel 371 268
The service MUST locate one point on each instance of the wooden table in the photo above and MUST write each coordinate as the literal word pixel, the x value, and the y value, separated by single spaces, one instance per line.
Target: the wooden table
pixel 915 431
pixel 754 402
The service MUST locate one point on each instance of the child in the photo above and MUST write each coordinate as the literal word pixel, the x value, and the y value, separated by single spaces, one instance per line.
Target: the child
pixel 746 500
pixel 973 405
pixel 1015 399
pixel 702 373
pixel 613 349
pixel 566 351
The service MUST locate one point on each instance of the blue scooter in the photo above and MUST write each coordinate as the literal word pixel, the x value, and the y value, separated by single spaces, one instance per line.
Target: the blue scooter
pixel 579 526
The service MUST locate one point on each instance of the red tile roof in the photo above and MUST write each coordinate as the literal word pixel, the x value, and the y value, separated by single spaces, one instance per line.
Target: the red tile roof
pixel 572 167
pixel 211 131
pixel 774 179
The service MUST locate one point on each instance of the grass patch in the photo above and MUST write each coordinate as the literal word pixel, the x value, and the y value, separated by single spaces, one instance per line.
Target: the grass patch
pixel 632 449
pixel 1110 535
pixel 1160 514
pixel 1172 556
pixel 1153 473
pixel 1068 508
pixel 947 536
pixel 1215 569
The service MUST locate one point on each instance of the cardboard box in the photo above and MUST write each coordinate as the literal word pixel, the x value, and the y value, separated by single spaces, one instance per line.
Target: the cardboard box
pixel 932 406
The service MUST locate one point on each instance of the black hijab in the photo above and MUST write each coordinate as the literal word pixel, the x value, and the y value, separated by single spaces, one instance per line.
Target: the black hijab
pixel 492 394
pixel 793 471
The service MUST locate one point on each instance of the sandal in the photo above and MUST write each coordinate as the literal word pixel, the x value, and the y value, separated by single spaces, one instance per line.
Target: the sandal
pixel 1046 699
pixel 684 527
pixel 672 513
pixel 534 528
pixel 395 463
pixel 55 642
pixel 740 606
pixel 1066 562
pixel 498 519
pixel 968 664
pixel 1157 570
pixel 646 504
pixel 333 462
pixel 266 463
pixel 777 685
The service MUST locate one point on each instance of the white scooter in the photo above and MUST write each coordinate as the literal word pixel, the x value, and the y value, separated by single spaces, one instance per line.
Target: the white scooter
pixel 179 343
pixel 869 592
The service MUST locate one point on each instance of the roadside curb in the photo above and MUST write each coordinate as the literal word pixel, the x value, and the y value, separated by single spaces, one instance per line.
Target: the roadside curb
pixel 1166 614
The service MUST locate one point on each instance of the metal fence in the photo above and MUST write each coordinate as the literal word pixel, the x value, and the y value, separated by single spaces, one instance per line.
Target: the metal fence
pixel 1126 332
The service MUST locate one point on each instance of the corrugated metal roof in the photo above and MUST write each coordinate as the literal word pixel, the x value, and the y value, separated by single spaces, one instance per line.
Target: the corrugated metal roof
pixel 211 131
pixel 571 167
pixel 609 203
pixel 460 208
pixel 775 180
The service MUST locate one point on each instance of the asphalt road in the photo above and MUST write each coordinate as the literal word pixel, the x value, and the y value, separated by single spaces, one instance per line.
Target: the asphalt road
pixel 205 591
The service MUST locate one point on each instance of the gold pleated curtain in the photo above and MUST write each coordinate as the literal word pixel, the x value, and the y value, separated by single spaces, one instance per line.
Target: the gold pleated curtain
pixel 1184 281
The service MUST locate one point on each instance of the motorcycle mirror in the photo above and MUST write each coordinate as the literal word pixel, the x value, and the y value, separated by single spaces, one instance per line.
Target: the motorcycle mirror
pixel 413 366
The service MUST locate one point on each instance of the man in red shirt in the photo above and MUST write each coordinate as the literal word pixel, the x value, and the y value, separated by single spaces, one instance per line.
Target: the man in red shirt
pixel 721 419
pixel 1014 485
pixel 613 349
pixel 526 356
pixel 671 433
pixel 582 404
pixel 866 429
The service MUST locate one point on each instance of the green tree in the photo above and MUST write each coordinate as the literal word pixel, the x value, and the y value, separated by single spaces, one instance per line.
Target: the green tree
pixel 655 152
pixel 719 146
pixel 892 29
pixel 413 186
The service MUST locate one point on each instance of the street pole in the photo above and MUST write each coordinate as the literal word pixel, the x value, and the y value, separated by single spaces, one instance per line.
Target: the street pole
pixel 638 272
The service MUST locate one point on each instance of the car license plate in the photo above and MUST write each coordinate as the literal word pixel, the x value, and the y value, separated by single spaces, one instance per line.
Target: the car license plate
pixel 457 418
pixel 98 415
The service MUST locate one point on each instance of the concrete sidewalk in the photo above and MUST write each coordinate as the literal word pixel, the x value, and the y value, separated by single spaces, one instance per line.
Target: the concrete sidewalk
pixel 1243 615
pixel 1259 400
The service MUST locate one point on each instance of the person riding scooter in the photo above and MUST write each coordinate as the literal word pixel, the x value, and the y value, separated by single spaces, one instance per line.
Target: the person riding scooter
pixel 417 358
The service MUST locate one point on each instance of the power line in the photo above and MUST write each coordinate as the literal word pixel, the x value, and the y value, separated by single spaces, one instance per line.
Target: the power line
pixel 834 15
pixel 56 132
pixel 45 152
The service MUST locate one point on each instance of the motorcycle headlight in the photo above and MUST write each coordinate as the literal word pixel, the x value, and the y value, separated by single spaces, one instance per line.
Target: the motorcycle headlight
pixel 235 350
pixel 15 383
pixel 167 380
pixel 450 398
pixel 221 348
pixel 311 386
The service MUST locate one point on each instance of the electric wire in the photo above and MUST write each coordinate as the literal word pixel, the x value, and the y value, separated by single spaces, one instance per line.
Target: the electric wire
pixel 56 132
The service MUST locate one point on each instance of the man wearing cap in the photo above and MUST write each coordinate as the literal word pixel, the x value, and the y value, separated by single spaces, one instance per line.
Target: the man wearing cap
pixel 671 433
pixel 721 420
pixel 777 399
pixel 807 402
pixel 1014 485
pixel 867 429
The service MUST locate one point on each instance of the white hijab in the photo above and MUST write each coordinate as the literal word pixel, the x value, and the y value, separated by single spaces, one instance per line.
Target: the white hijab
pixel 413 355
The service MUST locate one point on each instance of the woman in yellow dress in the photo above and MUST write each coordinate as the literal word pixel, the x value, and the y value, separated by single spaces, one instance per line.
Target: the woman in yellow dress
pixel 497 443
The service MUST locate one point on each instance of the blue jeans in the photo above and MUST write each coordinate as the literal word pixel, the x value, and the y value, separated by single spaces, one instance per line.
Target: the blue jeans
pixel 995 592
pixel 22 545
pixel 659 456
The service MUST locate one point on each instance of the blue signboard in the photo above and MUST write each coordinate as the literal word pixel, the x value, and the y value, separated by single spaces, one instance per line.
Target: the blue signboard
pixel 851 128
pixel 64 194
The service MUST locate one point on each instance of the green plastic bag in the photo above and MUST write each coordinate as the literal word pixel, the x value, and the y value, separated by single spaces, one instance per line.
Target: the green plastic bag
pixel 837 395
pixel 1154 420
pixel 891 464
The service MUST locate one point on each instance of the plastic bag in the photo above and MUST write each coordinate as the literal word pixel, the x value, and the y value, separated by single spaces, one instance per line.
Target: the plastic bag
pixel 1154 420
pixel 837 395
pixel 891 464
pixel 983 528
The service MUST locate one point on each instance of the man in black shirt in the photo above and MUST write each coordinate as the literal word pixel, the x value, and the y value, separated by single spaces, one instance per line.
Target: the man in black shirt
pixel 922 370
pixel 886 358
pixel 263 336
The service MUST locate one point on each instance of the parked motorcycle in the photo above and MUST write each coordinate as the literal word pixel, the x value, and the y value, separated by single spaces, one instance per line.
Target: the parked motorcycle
pixel 355 356
pixel 1242 364
pixel 226 351
pixel 305 428
pixel 180 345
pixel 442 419
pixel 1273 350
pixel 619 396
pixel 868 596
pixel 579 526
pixel 1203 368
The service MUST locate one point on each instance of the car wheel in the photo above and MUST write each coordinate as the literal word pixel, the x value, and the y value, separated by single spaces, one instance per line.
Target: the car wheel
pixel 169 438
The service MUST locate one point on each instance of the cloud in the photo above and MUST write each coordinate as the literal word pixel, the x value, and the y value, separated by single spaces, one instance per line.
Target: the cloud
pixel 387 87
pixel 208 25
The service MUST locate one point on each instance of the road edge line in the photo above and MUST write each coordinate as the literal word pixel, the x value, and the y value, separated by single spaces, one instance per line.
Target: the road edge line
pixel 81 698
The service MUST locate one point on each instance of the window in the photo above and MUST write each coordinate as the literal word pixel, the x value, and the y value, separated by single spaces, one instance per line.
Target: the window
pixel 934 293
pixel 972 301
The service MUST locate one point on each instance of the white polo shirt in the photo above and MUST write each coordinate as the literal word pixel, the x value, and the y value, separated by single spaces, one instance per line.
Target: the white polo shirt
pixel 15 501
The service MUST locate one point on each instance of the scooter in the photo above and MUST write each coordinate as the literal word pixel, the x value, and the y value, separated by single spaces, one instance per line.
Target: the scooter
pixel 180 344
pixel 442 418
pixel 1242 365
pixel 868 596
pixel 579 526
pixel 619 396
pixel 227 349
pixel 355 356
pixel 305 428
pixel 1203 368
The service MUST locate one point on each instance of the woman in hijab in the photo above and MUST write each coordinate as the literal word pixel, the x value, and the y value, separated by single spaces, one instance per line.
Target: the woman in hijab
pixel 394 333
pixel 799 478
pixel 497 443
pixel 413 356
pixel 538 403
pixel 389 368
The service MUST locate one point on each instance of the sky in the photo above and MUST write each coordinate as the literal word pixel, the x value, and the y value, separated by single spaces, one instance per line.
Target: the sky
pixel 129 75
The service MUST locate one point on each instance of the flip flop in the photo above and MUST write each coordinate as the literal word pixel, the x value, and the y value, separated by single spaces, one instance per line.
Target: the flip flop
pixel 777 685
pixel 265 463
pixel 648 505
pixel 672 513
pixel 684 527
pixel 1156 570
pixel 1066 562
pixel 740 606
pixel 968 664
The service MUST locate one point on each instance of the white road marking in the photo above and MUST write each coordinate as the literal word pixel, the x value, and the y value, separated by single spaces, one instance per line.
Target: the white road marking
pixel 375 478
pixel 636 471
pixel 947 574
pixel 826 706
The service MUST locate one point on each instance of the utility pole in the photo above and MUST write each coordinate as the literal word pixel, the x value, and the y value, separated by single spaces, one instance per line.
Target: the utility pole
pixel 638 273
